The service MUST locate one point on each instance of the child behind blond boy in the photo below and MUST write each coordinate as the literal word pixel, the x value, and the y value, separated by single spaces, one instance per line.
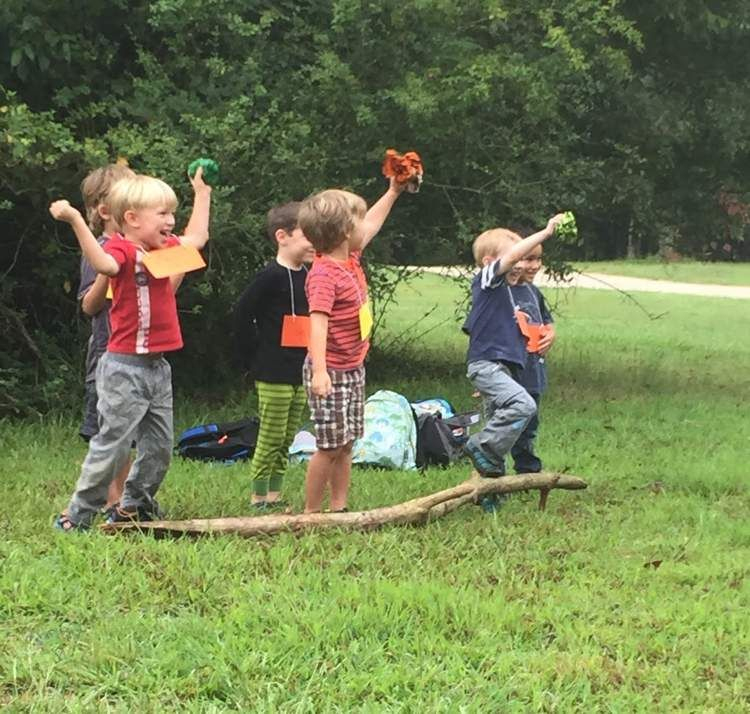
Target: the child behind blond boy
pixel 92 293
pixel 133 377
pixel 533 376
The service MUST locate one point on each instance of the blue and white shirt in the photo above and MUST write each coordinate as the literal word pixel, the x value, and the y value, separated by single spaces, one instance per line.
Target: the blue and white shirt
pixel 491 323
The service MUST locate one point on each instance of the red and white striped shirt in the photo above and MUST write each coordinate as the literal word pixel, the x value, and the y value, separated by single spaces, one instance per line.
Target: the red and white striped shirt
pixel 143 317
pixel 339 289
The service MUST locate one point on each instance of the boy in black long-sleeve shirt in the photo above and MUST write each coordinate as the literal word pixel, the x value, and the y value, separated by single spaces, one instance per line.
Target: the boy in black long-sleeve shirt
pixel 272 327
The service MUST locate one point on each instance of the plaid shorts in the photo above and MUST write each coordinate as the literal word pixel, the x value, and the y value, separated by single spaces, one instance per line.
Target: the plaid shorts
pixel 339 418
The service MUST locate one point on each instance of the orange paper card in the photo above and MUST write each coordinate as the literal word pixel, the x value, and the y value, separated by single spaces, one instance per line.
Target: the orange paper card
pixel 295 331
pixel 533 333
pixel 174 260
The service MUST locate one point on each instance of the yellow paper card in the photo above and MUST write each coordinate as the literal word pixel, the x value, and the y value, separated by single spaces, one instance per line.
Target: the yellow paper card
pixel 109 294
pixel 175 260
pixel 365 320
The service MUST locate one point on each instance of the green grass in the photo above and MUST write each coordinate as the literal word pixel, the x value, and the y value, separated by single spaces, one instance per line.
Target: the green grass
pixel 631 596
pixel 682 271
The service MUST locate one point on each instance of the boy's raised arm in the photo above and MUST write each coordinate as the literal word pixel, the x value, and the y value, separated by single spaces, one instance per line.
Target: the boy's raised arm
pixel 520 249
pixel 379 211
pixel 92 251
pixel 196 231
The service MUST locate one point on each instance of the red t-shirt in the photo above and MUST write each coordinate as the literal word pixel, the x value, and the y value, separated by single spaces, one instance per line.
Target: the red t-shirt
pixel 338 289
pixel 143 316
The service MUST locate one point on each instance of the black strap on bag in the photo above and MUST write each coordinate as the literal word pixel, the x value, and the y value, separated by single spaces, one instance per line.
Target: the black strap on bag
pixel 440 441
pixel 227 442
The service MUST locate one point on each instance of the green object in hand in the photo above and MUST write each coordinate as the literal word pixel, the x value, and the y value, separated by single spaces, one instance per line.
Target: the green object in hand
pixel 567 229
pixel 210 170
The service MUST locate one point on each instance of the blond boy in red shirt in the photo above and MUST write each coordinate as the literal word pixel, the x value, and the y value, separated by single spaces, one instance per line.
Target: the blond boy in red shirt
pixel 134 381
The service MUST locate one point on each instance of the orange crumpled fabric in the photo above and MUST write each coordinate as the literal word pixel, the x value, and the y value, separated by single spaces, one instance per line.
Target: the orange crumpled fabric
pixel 405 168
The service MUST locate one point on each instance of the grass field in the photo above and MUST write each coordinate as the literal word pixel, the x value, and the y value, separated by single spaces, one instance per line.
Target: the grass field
pixel 632 596
pixel 683 271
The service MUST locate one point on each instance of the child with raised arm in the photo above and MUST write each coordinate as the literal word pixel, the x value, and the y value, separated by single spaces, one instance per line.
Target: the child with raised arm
pixel 533 376
pixel 339 226
pixel 497 348
pixel 272 328
pixel 134 380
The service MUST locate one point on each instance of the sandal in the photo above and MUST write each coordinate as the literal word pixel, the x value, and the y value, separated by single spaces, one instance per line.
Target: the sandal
pixel 64 524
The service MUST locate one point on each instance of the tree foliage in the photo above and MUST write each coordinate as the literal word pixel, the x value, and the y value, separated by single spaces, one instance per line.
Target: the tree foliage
pixel 630 114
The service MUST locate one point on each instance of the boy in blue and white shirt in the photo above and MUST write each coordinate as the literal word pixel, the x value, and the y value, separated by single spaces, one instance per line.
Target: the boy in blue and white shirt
pixel 497 349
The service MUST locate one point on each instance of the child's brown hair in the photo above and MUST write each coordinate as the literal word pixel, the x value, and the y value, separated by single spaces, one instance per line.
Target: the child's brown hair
pixel 284 217
pixel 329 217
pixel 95 189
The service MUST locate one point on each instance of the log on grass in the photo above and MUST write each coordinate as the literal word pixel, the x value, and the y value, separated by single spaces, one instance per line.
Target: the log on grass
pixel 418 511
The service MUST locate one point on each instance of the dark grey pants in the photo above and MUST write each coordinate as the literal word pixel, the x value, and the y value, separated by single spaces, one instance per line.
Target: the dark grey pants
pixel 508 407
pixel 134 403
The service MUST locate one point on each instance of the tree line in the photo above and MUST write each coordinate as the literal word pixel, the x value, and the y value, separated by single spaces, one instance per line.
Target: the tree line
pixel 631 114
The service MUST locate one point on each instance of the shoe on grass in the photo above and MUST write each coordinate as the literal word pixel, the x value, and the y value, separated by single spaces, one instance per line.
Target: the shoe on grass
pixel 493 502
pixel 64 524
pixel 118 514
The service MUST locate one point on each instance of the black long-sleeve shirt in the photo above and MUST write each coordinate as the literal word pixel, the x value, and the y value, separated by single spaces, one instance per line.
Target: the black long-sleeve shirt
pixel 258 318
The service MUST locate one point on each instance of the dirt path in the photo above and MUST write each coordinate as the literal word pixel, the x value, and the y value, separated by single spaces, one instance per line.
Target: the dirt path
pixel 602 281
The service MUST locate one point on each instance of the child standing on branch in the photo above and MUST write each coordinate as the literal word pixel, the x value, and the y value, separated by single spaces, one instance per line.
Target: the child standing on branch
pixel 272 329
pixel 339 226
pixel 497 349
pixel 134 380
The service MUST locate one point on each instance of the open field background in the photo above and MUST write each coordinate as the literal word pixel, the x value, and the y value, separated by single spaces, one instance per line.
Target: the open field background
pixel 630 596
pixel 682 271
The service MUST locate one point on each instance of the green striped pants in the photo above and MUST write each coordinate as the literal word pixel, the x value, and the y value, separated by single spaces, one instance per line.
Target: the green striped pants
pixel 280 408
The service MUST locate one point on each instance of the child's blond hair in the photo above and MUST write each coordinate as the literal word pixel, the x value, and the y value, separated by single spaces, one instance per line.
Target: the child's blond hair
pixel 329 217
pixel 493 243
pixel 95 190
pixel 137 192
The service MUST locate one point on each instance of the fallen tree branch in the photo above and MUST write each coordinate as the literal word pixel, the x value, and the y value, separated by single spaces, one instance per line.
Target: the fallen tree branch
pixel 418 511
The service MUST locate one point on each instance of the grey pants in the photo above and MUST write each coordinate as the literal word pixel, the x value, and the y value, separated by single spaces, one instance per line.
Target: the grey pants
pixel 135 402
pixel 508 407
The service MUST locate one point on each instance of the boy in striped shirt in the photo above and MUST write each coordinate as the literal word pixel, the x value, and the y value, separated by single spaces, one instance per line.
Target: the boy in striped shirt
pixel 339 226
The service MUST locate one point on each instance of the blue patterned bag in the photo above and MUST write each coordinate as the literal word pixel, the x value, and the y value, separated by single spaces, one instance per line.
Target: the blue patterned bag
pixel 390 439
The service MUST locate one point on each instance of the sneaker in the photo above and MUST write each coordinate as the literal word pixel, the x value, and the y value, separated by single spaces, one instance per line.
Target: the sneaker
pixel 484 466
pixel 493 502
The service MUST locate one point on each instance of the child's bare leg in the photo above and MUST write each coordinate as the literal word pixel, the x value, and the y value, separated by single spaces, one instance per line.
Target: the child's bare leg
pixel 341 475
pixel 318 475
pixel 114 493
